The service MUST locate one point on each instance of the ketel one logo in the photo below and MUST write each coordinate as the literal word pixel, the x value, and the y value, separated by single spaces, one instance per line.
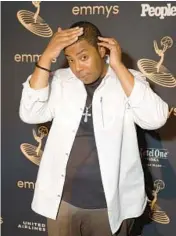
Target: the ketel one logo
pixel 34 153
pixel 33 22
pixel 155 71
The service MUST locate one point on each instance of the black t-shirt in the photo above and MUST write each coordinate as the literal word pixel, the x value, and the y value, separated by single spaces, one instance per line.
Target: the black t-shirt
pixel 83 185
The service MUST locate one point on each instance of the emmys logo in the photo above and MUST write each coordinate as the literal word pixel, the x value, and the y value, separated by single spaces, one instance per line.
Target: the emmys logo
pixel 32 152
pixel 157 214
pixel 34 226
pixel 172 111
pixel 25 184
pixel 155 71
pixel 33 22
pixel 158 11
pixel 26 57
pixel 95 10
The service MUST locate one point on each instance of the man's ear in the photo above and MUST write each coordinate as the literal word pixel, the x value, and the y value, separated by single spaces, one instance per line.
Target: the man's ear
pixel 102 51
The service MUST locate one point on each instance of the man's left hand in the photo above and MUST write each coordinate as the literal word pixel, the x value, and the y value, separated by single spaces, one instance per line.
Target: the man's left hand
pixel 115 51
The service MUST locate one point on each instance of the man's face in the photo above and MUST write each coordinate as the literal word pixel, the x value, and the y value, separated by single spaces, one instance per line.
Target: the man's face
pixel 85 61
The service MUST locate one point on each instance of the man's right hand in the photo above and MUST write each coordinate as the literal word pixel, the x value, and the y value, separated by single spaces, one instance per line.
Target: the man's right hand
pixel 60 40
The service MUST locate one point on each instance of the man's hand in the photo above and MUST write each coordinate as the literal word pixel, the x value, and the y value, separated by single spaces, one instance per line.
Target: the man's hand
pixel 115 51
pixel 60 40
pixel 123 74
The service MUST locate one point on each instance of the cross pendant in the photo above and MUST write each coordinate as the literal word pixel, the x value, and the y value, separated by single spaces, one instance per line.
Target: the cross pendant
pixel 86 114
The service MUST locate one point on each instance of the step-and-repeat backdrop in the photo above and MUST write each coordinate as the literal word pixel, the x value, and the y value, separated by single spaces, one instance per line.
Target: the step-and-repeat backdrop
pixel 146 32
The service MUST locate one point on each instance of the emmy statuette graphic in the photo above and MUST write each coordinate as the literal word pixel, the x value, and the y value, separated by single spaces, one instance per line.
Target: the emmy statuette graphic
pixel 156 71
pixel 33 22
pixel 157 214
pixel 32 152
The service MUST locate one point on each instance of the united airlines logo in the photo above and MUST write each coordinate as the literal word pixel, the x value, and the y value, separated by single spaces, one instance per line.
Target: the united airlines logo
pixel 32 226
pixel 33 22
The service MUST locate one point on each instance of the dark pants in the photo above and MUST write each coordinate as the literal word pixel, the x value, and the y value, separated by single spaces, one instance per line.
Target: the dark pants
pixel 74 221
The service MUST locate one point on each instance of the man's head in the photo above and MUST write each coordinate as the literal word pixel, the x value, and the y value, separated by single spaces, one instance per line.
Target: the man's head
pixel 85 57
pixel 90 32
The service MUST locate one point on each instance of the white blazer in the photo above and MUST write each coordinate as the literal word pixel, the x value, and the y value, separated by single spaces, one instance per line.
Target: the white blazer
pixel 114 119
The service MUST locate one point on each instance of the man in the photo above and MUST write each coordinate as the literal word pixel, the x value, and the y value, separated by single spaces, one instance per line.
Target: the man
pixel 90 179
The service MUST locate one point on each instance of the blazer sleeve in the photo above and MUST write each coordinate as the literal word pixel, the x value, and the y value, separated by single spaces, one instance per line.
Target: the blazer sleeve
pixel 149 111
pixel 38 105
